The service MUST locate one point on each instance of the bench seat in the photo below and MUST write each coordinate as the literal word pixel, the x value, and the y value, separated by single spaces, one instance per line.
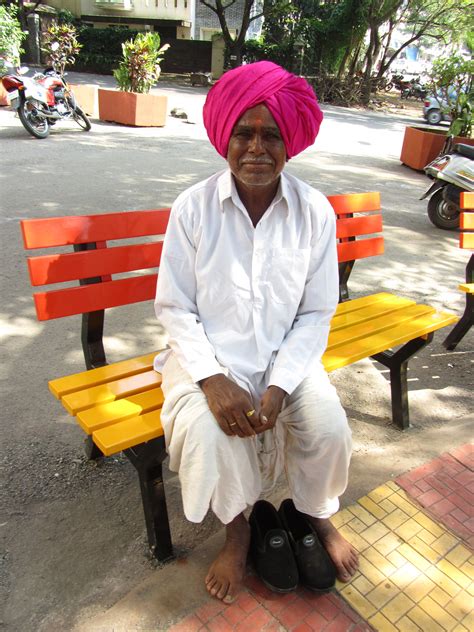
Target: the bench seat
pixel 119 404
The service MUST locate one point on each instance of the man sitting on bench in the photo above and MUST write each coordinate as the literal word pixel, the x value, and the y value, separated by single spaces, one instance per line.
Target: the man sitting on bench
pixel 247 286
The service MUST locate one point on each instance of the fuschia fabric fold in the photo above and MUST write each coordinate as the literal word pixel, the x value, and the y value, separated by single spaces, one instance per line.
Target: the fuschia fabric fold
pixel 290 99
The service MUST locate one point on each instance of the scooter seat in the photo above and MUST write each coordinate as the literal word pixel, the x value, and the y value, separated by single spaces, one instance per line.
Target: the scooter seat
pixel 464 150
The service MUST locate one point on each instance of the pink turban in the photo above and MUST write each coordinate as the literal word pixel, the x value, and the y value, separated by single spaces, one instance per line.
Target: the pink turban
pixel 290 99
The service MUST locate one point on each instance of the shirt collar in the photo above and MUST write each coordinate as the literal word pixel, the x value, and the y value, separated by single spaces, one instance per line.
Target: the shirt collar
pixel 227 190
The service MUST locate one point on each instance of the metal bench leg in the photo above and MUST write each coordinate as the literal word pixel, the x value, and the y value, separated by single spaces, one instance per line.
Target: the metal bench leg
pixel 147 459
pixel 397 362
pixel 462 327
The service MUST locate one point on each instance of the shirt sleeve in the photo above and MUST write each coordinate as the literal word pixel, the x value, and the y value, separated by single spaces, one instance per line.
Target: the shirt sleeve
pixel 305 343
pixel 175 302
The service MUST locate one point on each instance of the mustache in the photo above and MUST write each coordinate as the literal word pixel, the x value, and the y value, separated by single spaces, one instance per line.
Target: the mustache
pixel 257 161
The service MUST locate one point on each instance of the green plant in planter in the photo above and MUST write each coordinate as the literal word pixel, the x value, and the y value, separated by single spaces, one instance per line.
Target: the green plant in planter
pixel 61 45
pixel 11 37
pixel 452 82
pixel 140 68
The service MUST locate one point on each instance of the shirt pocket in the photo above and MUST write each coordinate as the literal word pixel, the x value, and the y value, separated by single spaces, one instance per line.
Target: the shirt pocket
pixel 221 297
pixel 285 273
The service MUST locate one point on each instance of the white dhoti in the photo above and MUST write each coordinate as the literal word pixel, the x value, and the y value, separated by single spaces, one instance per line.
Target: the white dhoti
pixel 311 441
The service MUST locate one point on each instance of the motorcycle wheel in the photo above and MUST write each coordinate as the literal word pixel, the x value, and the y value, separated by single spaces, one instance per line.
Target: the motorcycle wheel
pixel 35 125
pixel 81 119
pixel 441 213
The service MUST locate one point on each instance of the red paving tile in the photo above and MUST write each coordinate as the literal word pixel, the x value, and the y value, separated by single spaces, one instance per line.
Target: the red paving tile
pixel 442 487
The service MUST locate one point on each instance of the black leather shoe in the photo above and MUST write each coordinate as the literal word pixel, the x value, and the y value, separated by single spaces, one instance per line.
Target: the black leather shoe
pixel 270 550
pixel 316 569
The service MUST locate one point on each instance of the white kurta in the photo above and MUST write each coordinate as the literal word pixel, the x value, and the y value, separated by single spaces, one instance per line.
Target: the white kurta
pixel 254 303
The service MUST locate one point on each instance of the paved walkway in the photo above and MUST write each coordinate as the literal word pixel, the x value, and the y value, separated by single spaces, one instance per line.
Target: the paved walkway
pixel 415 536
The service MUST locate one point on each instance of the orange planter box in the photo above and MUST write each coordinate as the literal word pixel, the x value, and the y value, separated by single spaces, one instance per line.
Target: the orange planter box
pixel 130 108
pixel 86 97
pixel 421 146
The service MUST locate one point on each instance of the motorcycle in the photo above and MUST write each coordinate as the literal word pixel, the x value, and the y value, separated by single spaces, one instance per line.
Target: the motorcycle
pixel 413 89
pixel 42 100
pixel 452 172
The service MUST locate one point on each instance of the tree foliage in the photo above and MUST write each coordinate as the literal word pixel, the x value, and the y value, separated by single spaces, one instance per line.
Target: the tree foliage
pixel 140 69
pixel 61 46
pixel 11 38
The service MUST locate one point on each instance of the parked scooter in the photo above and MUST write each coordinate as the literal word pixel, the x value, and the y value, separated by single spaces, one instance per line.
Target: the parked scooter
pixel 452 172
pixel 413 89
pixel 42 100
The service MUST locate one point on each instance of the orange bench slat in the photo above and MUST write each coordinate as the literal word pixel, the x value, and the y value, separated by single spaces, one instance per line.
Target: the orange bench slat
pixel 80 229
pixel 350 250
pixel 355 226
pixel 467 200
pixel 59 268
pixel 355 202
pixel 467 221
pixel 89 298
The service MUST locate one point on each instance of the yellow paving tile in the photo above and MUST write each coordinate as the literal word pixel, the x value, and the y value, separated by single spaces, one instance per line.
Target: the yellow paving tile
pixel 440 596
pixel 461 628
pixel 445 620
pixel 405 625
pixel 387 544
pixel 393 486
pixel 380 561
pixel 373 508
pixel 424 549
pixel 405 575
pixel 459 555
pixel 426 535
pixel 444 543
pixel 396 559
pixel 467 569
pixel 341 518
pixel 375 532
pixel 408 529
pixel 368 570
pixel 379 622
pixel 354 538
pixel 396 608
pixel 358 601
pixel 395 519
pixel 423 620
pixel 380 493
pixel 453 573
pixel 461 606
pixel 361 513
pixel 429 524
pixel 443 581
pixel 357 525
pixel 401 500
pixel 415 558
pixel 420 587
pixel 382 593
pixel 387 505
pixel 362 584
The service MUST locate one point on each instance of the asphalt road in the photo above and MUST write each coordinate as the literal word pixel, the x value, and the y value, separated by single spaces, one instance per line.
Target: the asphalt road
pixel 73 534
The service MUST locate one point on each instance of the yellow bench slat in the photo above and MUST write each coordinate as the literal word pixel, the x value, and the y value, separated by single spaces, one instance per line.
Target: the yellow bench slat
pixel 358 303
pixel 128 433
pixel 467 287
pixel 380 323
pixel 105 393
pixel 344 355
pixel 94 377
pixel 348 319
pixel 93 419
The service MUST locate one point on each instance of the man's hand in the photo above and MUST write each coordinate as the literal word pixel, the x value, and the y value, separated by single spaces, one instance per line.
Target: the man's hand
pixel 230 405
pixel 270 407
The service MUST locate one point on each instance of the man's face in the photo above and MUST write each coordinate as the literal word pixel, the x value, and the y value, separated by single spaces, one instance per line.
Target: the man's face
pixel 256 153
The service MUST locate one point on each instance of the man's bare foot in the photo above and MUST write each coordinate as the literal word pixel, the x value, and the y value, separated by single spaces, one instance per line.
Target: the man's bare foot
pixel 226 573
pixel 342 553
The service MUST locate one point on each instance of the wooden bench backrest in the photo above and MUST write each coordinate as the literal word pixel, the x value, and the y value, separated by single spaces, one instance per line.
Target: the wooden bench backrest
pixel 93 262
pixel 466 236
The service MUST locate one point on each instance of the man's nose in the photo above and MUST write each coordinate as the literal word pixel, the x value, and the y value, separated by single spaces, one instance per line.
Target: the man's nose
pixel 256 144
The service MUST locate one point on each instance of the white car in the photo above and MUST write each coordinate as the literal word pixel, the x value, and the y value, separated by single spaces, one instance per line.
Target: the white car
pixel 434 110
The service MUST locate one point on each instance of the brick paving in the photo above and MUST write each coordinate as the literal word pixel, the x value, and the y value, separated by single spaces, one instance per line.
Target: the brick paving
pixel 415 537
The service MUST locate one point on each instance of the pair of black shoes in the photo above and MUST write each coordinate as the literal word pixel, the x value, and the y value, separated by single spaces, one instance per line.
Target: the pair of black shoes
pixel 285 549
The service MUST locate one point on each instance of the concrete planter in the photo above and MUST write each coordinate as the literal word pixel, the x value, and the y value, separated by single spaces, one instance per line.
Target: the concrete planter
pixel 130 108
pixel 87 98
pixel 3 95
pixel 421 146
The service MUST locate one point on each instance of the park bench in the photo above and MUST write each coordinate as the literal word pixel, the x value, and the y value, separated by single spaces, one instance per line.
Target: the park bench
pixel 466 240
pixel 118 405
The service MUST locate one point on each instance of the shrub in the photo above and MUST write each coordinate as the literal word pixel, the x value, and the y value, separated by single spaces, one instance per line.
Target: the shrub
pixel 140 68
pixel 61 45
pixel 11 37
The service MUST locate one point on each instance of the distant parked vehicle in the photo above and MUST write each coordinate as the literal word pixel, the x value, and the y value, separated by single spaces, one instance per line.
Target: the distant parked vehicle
pixel 435 110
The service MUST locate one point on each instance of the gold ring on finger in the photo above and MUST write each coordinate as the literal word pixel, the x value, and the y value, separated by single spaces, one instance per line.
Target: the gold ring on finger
pixel 234 424
pixel 250 413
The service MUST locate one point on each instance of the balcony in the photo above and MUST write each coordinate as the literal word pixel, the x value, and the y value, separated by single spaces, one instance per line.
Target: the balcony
pixel 115 5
